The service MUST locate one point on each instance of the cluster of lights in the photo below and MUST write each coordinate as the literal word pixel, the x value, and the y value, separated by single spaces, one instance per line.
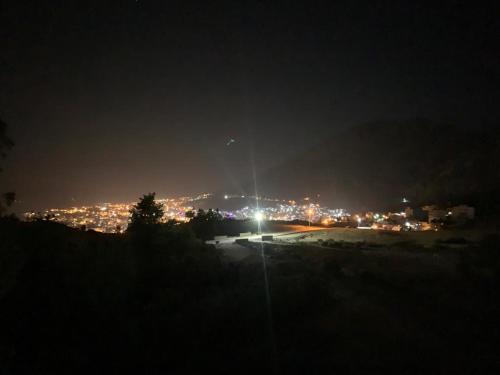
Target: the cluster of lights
pixel 290 211
pixel 110 218
pixel 390 221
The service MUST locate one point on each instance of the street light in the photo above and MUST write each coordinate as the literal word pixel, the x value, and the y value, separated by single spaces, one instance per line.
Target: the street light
pixel 259 217
pixel 310 212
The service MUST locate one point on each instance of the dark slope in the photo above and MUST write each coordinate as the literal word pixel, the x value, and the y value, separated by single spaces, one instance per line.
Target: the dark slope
pixel 374 165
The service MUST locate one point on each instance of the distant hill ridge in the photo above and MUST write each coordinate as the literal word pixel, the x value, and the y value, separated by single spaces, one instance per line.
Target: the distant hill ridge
pixel 375 164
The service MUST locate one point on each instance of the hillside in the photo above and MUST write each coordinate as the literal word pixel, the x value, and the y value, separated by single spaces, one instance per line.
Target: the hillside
pixel 76 302
pixel 374 165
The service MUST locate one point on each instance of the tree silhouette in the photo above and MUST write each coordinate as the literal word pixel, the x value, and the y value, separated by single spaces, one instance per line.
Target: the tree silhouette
pixel 5 142
pixel 146 212
pixel 7 199
pixel 204 223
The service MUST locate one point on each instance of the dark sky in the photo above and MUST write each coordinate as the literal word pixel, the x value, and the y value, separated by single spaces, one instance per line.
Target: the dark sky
pixel 107 100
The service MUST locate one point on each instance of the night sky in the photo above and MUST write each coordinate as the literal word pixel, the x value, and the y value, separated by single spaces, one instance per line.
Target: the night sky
pixel 107 100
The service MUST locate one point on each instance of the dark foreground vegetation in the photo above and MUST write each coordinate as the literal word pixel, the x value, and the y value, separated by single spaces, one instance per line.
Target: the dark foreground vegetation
pixel 161 301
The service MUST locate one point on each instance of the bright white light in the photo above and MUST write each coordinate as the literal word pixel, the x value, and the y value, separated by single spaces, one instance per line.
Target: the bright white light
pixel 225 197
pixel 259 216
pixel 408 224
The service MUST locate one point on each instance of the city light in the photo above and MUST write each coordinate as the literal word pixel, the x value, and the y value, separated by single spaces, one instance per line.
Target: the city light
pixel 114 217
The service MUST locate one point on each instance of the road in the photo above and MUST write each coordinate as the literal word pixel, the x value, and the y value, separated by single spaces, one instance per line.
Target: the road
pixel 304 234
pixel 294 231
pixel 237 252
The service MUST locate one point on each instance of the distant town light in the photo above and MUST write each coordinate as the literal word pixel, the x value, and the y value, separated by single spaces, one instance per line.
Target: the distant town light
pixel 107 216
pixel 225 197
